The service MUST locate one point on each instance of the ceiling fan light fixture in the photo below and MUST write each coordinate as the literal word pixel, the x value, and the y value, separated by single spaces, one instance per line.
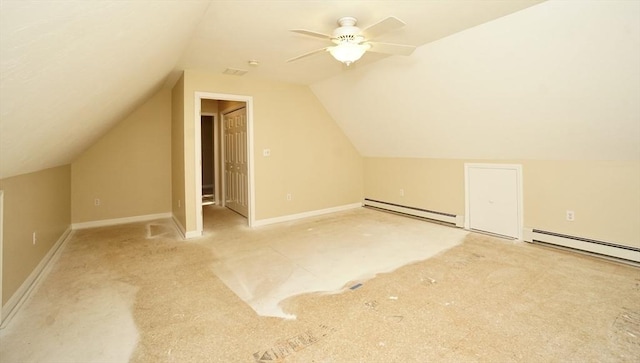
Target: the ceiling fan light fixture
pixel 348 53
pixel 351 42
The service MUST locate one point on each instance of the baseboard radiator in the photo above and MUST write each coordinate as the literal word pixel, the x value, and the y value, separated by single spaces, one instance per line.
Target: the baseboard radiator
pixel 451 219
pixel 591 246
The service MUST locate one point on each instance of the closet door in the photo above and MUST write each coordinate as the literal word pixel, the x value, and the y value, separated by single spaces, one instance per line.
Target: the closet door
pixel 493 199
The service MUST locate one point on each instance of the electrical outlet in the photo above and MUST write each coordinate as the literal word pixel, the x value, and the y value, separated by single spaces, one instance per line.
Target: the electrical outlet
pixel 402 192
pixel 34 238
pixel 289 197
pixel 266 152
pixel 571 216
pixel 96 202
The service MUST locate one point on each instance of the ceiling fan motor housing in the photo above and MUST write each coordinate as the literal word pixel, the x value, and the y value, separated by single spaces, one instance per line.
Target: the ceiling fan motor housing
pixel 348 32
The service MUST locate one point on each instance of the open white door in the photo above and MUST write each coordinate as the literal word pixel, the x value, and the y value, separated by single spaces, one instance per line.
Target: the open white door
pixel 494 199
pixel 235 161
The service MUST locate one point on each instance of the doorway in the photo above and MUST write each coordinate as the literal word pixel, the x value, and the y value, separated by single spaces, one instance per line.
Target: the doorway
pixel 1 254
pixel 493 199
pixel 244 147
pixel 208 155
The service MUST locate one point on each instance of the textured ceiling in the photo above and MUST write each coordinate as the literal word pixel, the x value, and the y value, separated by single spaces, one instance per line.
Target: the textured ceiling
pixel 71 69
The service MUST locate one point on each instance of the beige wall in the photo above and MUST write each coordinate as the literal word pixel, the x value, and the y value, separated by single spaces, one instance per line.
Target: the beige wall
pixel 36 202
pixel 434 184
pixel 129 168
pixel 310 156
pixel 177 153
pixel 605 195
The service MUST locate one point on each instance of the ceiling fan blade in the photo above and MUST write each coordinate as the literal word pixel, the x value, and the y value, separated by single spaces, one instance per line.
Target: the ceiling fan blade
pixel 388 48
pixel 311 33
pixel 307 54
pixel 381 27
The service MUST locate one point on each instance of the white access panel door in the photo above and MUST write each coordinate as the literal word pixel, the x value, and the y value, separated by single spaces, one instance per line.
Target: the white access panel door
pixel 493 199
pixel 236 161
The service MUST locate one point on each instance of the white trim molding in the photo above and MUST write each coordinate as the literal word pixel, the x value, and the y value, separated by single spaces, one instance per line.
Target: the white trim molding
pixel 192 234
pixel 21 295
pixel 116 221
pixel 293 217
pixel 179 226
pixel 183 232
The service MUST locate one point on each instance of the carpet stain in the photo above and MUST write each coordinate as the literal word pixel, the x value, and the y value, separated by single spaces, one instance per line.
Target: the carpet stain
pixel 484 300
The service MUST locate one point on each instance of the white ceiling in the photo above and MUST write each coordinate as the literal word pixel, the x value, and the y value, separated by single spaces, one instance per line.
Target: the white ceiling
pixel 70 69
pixel 233 32
pixel 558 81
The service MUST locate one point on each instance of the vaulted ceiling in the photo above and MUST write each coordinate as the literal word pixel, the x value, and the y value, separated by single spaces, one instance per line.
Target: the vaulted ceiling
pixel 70 69
pixel 559 79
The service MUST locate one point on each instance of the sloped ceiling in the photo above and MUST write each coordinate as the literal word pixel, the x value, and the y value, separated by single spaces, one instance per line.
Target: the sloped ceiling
pixel 558 81
pixel 71 69
pixel 233 32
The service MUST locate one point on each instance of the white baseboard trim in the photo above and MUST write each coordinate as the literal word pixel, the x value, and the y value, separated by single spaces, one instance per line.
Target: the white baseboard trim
pixel 21 295
pixel 293 217
pixel 192 234
pixel 179 225
pixel 183 232
pixel 116 221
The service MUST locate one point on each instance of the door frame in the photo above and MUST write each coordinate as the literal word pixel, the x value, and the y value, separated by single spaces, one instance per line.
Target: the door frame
pixel 248 100
pixel 517 168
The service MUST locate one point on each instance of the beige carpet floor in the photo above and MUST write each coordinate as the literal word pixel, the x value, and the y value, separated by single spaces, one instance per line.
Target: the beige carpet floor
pixel 137 292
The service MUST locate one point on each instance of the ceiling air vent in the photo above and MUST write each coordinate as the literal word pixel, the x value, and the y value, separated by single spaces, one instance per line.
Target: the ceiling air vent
pixel 235 72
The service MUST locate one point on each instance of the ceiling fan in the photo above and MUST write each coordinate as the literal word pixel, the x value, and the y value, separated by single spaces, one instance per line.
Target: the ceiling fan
pixel 351 42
